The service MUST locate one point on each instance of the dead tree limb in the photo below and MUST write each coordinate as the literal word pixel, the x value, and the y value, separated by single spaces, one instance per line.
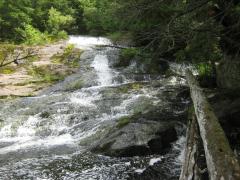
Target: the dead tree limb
pixel 114 46
pixel 221 161
pixel 8 60
pixel 192 168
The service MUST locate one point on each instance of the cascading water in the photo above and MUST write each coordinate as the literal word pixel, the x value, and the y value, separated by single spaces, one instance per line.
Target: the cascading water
pixel 46 137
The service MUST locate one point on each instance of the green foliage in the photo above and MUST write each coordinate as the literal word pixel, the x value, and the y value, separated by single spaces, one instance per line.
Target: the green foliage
pixel 45 74
pixel 13 14
pixel 205 69
pixel 206 74
pixel 126 55
pixel 19 18
pixel 57 21
pixel 7 70
pixel 99 16
pixel 5 51
pixel 69 57
pixel 32 36
pixel 115 36
pixel 68 50
pixel 78 84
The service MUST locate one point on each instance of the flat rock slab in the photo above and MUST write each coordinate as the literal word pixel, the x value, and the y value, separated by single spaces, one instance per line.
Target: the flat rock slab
pixel 20 83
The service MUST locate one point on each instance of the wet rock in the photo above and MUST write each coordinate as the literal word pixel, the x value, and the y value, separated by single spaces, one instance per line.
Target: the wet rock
pixel 151 173
pixel 185 94
pixel 136 138
pixel 113 55
pixel 163 65
pixel 45 114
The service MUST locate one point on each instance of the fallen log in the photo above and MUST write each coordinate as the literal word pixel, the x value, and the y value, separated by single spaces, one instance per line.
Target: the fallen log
pixel 221 161
pixel 113 46
pixel 194 165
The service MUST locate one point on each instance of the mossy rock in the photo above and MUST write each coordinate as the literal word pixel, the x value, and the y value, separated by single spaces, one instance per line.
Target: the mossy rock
pixel 45 115
pixel 133 86
pixel 137 139
pixel 123 122
pixel 1 123
pixel 74 85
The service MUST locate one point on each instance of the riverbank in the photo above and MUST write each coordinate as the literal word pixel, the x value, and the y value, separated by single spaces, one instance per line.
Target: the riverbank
pixel 52 63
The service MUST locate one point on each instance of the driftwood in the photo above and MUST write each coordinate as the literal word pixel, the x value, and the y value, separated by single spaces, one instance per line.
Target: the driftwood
pixel 193 168
pixel 221 161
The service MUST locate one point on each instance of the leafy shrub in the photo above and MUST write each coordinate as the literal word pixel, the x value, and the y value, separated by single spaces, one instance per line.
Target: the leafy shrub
pixel 207 76
pixel 205 69
pixel 32 36
pixel 68 50
pixel 57 22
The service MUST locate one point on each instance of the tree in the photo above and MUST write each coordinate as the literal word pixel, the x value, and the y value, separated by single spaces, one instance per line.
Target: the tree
pixel 13 15
pixel 58 22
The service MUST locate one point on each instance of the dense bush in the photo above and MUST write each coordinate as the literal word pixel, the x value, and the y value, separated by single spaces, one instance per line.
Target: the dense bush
pixel 33 21
pixel 32 36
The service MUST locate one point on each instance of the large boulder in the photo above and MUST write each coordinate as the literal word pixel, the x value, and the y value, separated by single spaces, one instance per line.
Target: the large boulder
pixel 136 137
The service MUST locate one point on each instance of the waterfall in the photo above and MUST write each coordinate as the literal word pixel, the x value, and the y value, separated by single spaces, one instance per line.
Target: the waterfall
pixel 47 136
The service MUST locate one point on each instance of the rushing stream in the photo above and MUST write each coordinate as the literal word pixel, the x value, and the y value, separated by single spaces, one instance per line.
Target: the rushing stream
pixel 47 136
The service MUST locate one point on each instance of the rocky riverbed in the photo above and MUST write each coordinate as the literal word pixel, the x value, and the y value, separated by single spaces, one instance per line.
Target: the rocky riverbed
pixel 99 123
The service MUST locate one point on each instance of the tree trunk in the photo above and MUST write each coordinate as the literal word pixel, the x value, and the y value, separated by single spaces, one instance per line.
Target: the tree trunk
pixel 194 167
pixel 221 161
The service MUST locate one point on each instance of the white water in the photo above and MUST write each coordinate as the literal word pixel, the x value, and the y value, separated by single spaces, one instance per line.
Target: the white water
pixel 25 135
pixel 105 74
pixel 86 42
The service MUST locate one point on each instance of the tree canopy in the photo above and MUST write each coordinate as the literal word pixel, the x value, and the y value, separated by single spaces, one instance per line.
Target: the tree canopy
pixel 179 29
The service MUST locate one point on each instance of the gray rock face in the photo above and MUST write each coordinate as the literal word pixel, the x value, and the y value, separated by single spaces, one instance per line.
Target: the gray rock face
pixel 139 137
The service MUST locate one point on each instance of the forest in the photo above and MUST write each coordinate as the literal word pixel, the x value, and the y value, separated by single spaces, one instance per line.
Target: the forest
pixel 68 67
pixel 202 32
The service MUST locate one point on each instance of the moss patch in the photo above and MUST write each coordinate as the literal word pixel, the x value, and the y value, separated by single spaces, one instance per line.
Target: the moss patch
pixel 7 70
pixel 45 74
pixel 122 122
pixel 74 85
pixel 133 86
